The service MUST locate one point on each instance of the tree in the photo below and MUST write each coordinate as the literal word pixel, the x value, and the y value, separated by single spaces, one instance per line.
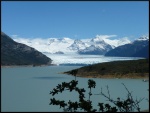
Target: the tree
pixel 127 105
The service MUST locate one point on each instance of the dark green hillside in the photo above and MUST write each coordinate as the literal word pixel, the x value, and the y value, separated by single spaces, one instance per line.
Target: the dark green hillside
pixel 119 69
pixel 13 53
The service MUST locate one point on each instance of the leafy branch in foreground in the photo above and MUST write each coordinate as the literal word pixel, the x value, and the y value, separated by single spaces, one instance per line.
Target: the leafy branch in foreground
pixel 127 105
pixel 83 104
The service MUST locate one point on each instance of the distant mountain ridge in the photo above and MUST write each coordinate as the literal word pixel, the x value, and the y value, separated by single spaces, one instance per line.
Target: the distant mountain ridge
pixel 13 53
pixel 97 45
pixel 138 48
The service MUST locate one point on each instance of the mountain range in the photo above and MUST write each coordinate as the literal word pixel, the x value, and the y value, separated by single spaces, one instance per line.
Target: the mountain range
pixel 97 45
pixel 138 48
pixel 14 53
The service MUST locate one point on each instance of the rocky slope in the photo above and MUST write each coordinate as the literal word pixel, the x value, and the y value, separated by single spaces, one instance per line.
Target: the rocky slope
pixel 13 53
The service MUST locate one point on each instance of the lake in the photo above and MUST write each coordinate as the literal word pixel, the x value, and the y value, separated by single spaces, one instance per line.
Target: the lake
pixel 26 89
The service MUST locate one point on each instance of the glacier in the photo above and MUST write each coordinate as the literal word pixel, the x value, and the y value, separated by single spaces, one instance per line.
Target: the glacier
pixel 77 59
pixel 66 50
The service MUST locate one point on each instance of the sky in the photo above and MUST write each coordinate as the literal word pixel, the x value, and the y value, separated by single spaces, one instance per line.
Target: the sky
pixel 75 19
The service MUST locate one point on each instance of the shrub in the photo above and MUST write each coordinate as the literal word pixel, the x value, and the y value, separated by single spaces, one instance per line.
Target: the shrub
pixel 127 105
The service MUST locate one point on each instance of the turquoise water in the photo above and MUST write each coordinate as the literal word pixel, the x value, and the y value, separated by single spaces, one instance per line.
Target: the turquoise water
pixel 27 89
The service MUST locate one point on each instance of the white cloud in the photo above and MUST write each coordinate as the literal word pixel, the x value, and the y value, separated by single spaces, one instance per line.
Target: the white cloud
pixel 105 36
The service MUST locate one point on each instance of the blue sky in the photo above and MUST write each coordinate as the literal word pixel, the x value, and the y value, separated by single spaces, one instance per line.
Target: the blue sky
pixel 75 19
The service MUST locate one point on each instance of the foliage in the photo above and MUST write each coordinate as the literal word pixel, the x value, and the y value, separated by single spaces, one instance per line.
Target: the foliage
pixel 127 105
pixel 128 69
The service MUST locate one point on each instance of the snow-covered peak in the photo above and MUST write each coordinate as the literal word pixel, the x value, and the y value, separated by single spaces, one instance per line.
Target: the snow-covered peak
pixel 52 40
pixel 143 38
pixel 117 42
pixel 123 41
pixel 98 38
pixel 106 40
pixel 78 44
pixel 77 41
pixel 68 45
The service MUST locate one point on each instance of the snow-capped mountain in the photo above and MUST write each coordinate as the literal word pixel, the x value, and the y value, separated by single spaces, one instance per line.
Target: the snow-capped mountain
pixel 100 44
pixel 138 48
pixel 143 38
pixel 77 45
pixel 96 46
pixel 114 43
pixel 92 50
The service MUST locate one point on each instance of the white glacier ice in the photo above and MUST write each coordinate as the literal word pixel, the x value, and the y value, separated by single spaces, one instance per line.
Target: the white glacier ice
pixel 83 59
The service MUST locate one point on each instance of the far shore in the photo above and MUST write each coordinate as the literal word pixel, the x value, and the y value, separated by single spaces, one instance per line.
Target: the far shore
pixel 145 77
pixel 13 66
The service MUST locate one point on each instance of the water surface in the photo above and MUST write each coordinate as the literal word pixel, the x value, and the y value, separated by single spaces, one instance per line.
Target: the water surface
pixel 27 89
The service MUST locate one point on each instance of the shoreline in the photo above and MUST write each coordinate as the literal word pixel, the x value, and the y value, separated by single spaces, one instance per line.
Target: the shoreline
pixel 144 78
pixel 13 66
pixel 87 76
pixel 114 77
